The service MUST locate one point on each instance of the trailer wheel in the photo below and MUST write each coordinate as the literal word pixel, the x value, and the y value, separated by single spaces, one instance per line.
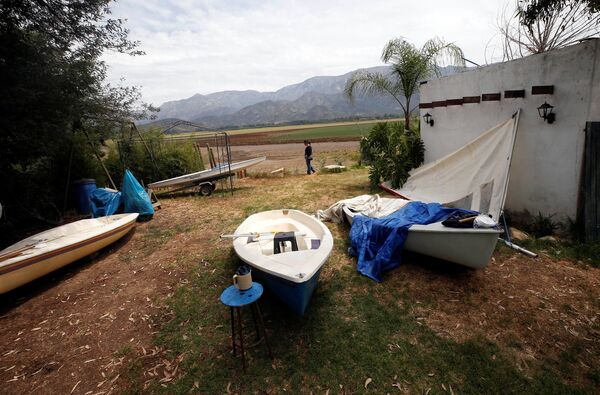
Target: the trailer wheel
pixel 206 189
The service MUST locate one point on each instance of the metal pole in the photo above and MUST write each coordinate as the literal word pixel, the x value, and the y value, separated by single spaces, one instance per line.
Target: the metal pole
pixel 512 245
pixel 229 162
pixel 68 177
pixel 520 249
pixel 232 330
pixel 220 162
pixel 100 160
pixel 133 127
pixel 241 330
pixel 264 328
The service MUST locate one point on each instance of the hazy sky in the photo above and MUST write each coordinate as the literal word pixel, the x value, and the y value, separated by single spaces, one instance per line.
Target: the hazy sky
pixel 204 46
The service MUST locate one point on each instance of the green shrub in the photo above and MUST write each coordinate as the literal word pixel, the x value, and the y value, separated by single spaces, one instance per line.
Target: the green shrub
pixel 320 162
pixel 36 191
pixel 536 225
pixel 166 159
pixel 391 152
pixel 543 225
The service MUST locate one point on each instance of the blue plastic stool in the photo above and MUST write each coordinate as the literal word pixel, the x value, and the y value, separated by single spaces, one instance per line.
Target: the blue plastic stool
pixel 236 299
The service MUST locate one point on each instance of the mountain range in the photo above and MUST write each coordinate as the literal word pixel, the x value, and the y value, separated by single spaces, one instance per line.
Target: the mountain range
pixel 315 99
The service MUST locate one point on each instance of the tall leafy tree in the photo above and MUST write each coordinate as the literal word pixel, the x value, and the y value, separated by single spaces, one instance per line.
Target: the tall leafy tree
pixel 409 66
pixel 52 87
pixel 533 10
pixel 543 25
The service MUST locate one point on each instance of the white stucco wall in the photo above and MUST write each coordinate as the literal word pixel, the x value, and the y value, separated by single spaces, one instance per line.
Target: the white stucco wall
pixel 547 159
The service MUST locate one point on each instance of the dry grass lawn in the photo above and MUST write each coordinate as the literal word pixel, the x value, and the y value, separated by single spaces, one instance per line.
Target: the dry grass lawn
pixel 144 316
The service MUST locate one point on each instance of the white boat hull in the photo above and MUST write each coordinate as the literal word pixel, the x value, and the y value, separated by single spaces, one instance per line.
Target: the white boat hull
pixel 206 175
pixel 48 251
pixel 467 247
pixel 291 275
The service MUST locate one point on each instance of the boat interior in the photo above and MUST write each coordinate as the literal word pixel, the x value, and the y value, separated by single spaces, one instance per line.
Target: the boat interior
pixel 284 235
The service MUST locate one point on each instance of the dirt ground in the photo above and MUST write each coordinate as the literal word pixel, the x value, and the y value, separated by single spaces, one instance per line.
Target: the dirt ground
pixel 541 309
pixel 265 137
pixel 291 156
pixel 74 330
pixel 70 331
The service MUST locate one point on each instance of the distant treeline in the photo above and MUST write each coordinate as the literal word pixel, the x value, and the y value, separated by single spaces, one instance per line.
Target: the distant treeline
pixel 291 123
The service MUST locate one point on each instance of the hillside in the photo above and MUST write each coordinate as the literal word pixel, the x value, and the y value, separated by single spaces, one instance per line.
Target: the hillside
pixel 315 99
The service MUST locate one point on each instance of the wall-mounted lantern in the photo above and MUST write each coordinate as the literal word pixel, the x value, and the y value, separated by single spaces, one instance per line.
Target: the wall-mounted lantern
pixel 428 119
pixel 545 111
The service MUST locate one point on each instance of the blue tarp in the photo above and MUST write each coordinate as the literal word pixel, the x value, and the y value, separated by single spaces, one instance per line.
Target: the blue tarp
pixel 104 202
pixel 378 242
pixel 135 198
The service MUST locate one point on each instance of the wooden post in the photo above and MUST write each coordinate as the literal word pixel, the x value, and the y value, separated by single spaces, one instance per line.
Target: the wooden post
pixel 212 155
pixel 211 158
pixel 154 199
pixel 199 152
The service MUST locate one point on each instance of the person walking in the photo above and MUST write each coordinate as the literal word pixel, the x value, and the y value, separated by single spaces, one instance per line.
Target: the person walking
pixel 308 157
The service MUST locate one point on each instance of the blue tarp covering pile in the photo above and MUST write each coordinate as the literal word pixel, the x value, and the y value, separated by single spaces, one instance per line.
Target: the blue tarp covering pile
pixel 378 242
pixel 104 202
pixel 135 198
pixel 132 199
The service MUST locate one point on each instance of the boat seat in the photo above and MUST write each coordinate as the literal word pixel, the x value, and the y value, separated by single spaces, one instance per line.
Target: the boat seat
pixel 280 239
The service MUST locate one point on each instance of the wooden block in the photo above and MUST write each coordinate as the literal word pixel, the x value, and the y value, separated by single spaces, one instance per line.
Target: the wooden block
pixel 514 94
pixel 471 99
pixel 280 170
pixel 454 102
pixel 542 90
pixel 491 96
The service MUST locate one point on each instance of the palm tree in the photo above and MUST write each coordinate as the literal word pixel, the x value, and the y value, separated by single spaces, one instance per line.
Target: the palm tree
pixel 409 65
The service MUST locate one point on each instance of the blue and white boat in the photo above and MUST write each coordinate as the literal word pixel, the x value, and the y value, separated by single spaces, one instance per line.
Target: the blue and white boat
pixel 286 249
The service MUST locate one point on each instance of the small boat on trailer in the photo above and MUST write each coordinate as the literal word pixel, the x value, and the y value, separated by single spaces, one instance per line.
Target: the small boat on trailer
pixel 205 180
pixel 286 250
pixel 48 251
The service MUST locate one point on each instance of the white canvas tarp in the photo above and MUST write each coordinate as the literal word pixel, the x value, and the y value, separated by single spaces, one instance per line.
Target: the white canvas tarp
pixel 369 205
pixel 473 177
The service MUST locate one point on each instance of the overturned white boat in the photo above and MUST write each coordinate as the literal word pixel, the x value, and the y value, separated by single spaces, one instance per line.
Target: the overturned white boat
pixel 286 249
pixel 48 251
pixel 474 177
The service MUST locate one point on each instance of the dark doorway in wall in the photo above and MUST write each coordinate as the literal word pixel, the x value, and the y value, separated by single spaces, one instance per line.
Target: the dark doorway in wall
pixel 591 182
